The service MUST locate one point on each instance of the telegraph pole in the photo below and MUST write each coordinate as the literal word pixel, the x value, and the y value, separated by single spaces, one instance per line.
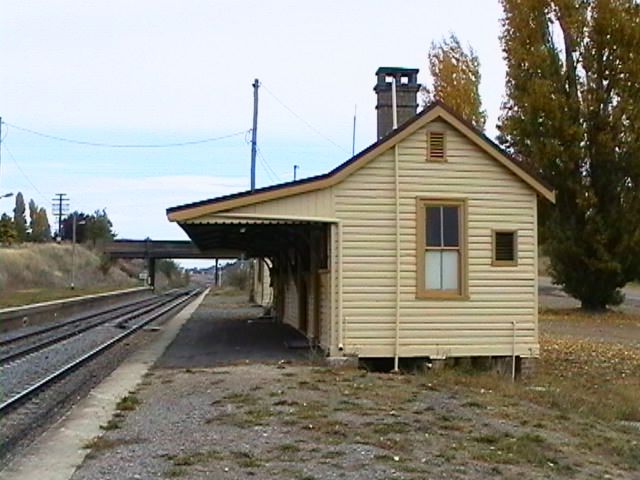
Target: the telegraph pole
pixel 60 207
pixel 254 133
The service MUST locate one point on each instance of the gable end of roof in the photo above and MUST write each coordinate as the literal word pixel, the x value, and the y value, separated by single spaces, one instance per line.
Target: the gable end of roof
pixel 433 111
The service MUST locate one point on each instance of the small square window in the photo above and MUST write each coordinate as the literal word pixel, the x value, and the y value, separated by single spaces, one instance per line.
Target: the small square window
pixel 505 248
pixel 436 147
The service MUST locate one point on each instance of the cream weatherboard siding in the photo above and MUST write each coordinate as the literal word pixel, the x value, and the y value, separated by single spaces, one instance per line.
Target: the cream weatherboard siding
pixel 498 296
pixel 310 204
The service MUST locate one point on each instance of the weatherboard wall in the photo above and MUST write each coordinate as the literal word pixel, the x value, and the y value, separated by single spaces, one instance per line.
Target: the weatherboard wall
pixel 310 204
pixel 482 324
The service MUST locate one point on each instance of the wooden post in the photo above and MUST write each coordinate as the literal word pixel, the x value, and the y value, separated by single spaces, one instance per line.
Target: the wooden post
pixel 152 272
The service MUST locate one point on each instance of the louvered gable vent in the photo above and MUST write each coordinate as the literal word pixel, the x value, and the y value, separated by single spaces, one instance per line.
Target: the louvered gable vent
pixel 436 147
pixel 504 248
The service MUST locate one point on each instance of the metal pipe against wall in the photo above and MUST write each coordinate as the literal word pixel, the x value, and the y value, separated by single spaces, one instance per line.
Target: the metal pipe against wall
pixel 396 170
pixel 396 356
pixel 394 103
pixel 513 352
pixel 332 294
pixel 340 312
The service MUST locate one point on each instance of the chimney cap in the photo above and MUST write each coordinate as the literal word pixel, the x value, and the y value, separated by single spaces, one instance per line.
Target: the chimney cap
pixel 396 70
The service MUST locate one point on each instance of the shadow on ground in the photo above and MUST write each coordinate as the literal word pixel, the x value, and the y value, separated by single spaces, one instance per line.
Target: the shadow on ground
pixel 232 333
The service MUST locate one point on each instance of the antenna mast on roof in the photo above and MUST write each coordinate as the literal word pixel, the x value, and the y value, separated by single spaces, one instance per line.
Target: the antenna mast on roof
pixel 254 134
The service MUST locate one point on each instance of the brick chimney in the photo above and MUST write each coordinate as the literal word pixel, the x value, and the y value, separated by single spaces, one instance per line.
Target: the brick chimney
pixel 406 96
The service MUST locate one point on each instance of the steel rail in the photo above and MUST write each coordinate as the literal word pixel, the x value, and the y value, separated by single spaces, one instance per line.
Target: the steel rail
pixel 151 305
pixel 71 367
pixel 71 321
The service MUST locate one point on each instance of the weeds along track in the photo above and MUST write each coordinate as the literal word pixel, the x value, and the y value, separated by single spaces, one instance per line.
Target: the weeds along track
pixel 50 367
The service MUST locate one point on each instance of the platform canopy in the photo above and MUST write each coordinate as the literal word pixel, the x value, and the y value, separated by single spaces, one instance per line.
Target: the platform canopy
pixel 254 237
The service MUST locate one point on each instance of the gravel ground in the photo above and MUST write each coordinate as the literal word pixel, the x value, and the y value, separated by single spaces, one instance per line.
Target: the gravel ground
pixel 294 420
pixel 21 426
pixel 303 422
pixel 26 371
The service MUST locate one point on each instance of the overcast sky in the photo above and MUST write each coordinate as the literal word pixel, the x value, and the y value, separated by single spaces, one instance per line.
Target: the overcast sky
pixel 158 72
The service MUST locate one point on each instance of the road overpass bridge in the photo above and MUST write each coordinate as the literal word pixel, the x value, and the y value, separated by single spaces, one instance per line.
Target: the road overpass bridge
pixel 150 250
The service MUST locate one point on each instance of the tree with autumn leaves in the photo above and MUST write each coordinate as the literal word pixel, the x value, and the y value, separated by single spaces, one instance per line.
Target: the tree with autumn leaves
pixel 572 108
pixel 455 75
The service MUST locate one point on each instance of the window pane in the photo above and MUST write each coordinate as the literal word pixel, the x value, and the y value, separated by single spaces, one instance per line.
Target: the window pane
pixel 450 275
pixel 433 227
pixel 450 226
pixel 432 269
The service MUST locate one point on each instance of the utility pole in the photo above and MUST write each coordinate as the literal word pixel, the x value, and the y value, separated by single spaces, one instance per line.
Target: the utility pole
pixel 60 207
pixel 254 134
pixel 73 249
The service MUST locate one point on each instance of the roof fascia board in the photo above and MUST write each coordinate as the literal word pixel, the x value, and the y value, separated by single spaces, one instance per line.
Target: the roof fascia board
pixel 249 217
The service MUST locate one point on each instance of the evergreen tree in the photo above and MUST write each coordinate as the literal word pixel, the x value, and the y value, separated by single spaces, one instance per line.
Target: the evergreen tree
pixel 33 213
pixel 8 232
pixel 19 218
pixel 455 76
pixel 571 108
pixel 82 220
pixel 99 228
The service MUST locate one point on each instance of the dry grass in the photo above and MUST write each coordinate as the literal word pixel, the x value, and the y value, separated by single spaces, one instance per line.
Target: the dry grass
pixel 595 380
pixel 568 415
pixel 128 403
pixel 102 444
pixel 578 315
pixel 38 295
pixel 587 389
pixel 32 273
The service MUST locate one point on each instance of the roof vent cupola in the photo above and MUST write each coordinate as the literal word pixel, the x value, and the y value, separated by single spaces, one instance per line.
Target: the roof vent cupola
pixel 406 96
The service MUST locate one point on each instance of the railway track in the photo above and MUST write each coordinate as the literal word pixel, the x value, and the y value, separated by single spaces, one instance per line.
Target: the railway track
pixel 32 368
pixel 15 346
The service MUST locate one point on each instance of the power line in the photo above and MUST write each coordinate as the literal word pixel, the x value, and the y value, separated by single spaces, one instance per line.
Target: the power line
pixel 266 164
pixel 318 132
pixel 26 177
pixel 124 145
pixel 264 167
